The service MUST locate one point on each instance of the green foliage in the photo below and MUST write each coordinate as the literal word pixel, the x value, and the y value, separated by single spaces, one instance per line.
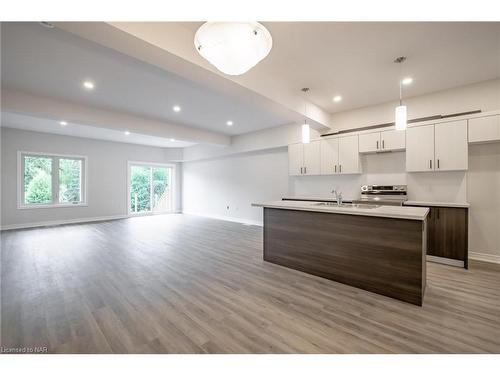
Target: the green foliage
pixel 141 185
pixel 69 180
pixel 39 189
pixel 38 179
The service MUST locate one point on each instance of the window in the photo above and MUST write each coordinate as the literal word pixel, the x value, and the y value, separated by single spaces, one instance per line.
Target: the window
pixel 150 188
pixel 51 180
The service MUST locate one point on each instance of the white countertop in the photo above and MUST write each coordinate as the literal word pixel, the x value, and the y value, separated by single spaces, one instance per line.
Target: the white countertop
pixel 396 212
pixel 413 203
pixel 438 204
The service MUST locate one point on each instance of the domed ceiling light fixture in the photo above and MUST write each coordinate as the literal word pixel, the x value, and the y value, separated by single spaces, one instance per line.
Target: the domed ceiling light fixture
pixel 400 114
pixel 233 47
pixel 306 130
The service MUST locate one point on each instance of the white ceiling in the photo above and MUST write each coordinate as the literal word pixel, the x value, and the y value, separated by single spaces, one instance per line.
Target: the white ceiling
pixel 355 59
pixel 53 62
pixel 332 58
pixel 32 123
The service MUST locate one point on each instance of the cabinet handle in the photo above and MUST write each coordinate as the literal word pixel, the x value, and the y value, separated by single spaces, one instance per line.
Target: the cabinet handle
pixel 305 170
pixel 430 164
pixel 383 143
pixel 301 170
pixel 340 168
pixel 438 163
pixel 377 145
pixel 335 168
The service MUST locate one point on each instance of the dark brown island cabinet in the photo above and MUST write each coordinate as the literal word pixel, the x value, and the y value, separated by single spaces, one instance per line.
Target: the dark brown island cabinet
pixel 384 255
pixel 447 239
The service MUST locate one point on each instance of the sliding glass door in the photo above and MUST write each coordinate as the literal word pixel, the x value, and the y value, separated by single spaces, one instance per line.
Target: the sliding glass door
pixel 151 188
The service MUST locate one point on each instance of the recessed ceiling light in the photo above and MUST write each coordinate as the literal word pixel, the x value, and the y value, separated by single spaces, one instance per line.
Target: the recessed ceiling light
pixel 229 123
pixel 172 140
pixel 89 85
pixel 407 80
pixel 176 108
pixel 337 98
pixel 127 133
pixel 63 123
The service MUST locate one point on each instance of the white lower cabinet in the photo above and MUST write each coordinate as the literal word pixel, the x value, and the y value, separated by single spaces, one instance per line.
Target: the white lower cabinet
pixel 340 155
pixel 484 129
pixel 304 159
pixel 440 147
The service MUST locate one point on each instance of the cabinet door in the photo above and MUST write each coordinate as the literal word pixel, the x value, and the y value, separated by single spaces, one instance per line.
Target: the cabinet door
pixel 451 153
pixel 329 155
pixel 484 129
pixel 312 158
pixel 420 148
pixel 369 142
pixel 449 236
pixel 392 140
pixel 349 155
pixel 295 159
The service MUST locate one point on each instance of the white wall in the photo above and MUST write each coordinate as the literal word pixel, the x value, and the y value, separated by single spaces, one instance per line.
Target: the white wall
pixel 226 187
pixel 107 175
pixel 484 96
pixel 483 191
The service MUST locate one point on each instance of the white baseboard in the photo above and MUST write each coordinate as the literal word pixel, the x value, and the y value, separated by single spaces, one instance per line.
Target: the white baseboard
pixel 61 222
pixel 226 218
pixel 484 257
pixel 447 261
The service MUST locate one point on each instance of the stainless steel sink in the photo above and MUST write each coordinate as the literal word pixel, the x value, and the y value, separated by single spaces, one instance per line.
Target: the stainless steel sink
pixel 348 205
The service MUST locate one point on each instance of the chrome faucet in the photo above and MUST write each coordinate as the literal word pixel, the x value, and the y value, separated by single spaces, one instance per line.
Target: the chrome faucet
pixel 338 196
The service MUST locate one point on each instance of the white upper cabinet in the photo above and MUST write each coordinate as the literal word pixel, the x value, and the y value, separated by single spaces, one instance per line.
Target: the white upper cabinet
pixel 349 155
pixel 369 142
pixel 295 159
pixel 440 147
pixel 340 155
pixel 329 155
pixel 304 159
pixel 389 140
pixel 420 148
pixel 451 147
pixel 393 140
pixel 312 158
pixel 484 129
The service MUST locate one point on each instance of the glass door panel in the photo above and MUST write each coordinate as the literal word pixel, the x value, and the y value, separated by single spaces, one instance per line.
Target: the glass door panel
pixel 140 189
pixel 162 192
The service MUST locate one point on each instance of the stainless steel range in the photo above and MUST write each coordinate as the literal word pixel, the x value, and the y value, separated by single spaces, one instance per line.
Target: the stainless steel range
pixel 393 195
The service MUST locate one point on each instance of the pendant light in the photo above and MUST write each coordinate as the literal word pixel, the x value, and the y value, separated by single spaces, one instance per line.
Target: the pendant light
pixel 306 130
pixel 400 114
pixel 233 47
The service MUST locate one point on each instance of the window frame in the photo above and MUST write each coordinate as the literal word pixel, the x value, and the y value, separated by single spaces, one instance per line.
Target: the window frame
pixel 55 180
pixel 130 164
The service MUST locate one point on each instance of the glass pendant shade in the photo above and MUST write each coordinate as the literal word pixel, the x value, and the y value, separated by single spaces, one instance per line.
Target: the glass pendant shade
pixel 401 118
pixel 233 47
pixel 306 133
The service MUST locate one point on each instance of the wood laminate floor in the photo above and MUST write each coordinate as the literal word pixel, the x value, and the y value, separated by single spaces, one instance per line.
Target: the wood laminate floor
pixel 185 284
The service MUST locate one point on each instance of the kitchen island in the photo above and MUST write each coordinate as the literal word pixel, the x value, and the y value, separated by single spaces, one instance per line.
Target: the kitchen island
pixel 381 249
